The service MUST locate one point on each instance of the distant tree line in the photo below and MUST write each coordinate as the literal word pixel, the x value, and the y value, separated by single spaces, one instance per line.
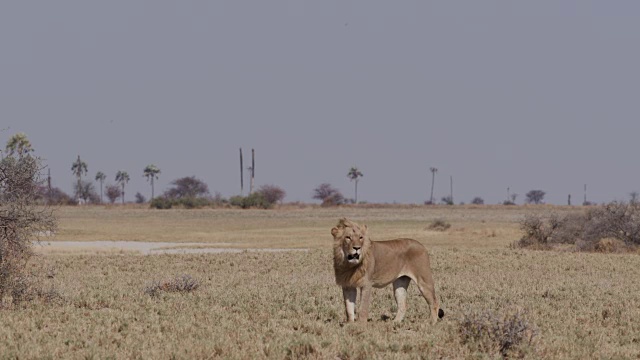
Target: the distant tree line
pixel 191 192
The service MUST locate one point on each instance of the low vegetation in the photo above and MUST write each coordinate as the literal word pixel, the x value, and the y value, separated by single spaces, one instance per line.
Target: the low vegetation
pixel 439 225
pixel 614 227
pixel 22 220
pixel 507 335
pixel 179 284
pixel 499 301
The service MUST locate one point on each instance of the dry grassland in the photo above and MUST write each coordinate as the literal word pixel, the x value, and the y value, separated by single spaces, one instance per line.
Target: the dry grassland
pixel 286 305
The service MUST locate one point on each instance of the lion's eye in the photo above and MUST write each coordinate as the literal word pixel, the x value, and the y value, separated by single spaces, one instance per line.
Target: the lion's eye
pixel 348 238
pixel 361 237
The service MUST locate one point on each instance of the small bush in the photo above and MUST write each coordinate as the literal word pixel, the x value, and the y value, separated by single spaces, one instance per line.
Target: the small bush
pixel 439 225
pixel 447 200
pixel 477 201
pixel 113 192
pixel 161 203
pixel 140 199
pixel 493 333
pixel 256 200
pixel 181 284
pixel 329 195
pixel 272 193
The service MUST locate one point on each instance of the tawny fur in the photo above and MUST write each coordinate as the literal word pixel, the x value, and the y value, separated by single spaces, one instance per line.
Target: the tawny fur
pixel 361 264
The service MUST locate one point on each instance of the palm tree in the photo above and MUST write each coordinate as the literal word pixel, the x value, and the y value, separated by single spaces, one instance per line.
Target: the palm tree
pixel 433 178
pixel 78 168
pixel 151 172
pixel 100 176
pixel 18 144
pixel 122 177
pixel 354 175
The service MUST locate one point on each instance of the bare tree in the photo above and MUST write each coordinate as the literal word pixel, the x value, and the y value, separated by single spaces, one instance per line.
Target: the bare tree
pixel 355 175
pixel 22 218
pixel 328 195
pixel 113 192
pixel 535 196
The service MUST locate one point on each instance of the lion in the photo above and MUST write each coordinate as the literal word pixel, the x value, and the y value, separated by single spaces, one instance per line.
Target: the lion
pixel 363 264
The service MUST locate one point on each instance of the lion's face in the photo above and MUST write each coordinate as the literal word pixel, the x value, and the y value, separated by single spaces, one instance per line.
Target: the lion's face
pixel 351 239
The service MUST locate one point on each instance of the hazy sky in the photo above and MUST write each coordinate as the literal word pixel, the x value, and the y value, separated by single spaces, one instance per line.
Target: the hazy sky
pixel 538 94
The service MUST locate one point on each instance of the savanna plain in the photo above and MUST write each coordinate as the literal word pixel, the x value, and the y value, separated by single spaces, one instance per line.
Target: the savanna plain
pixel 118 304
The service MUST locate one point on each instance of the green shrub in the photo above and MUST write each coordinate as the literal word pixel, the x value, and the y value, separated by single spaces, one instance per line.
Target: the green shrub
pixel 255 200
pixel 161 203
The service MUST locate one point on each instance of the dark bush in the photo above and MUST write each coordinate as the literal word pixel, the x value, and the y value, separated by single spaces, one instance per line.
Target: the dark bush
pixel 329 195
pixel 86 192
pixel 272 194
pixel 113 192
pixel 477 201
pixel 140 199
pixel 54 196
pixel 187 187
pixel 535 197
pixel 162 203
pixel 255 200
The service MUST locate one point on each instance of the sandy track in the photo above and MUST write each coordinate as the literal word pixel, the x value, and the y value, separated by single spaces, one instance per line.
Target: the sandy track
pixel 145 248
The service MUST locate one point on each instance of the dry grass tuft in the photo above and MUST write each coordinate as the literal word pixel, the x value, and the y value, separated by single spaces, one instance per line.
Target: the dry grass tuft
pixel 179 284
pixel 493 333
pixel 439 225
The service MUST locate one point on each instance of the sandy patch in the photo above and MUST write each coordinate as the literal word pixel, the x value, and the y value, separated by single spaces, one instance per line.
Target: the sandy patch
pixel 145 248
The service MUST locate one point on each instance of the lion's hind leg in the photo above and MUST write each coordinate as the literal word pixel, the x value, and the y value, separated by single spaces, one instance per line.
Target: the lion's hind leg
pixel 428 291
pixel 400 286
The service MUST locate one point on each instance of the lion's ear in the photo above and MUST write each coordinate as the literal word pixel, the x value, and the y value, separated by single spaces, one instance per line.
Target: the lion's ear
pixel 334 232
pixel 364 229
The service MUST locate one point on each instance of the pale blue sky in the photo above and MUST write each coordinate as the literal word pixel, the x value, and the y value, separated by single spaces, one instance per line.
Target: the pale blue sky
pixel 527 94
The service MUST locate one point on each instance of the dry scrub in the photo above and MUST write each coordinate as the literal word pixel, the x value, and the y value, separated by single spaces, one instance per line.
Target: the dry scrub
pixel 614 227
pixel 543 305
pixel 277 305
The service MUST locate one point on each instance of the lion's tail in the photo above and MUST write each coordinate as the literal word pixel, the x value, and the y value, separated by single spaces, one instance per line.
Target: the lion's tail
pixel 440 313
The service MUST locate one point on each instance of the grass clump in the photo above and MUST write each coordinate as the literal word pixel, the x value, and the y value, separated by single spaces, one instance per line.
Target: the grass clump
pixel 179 284
pixel 439 225
pixel 505 334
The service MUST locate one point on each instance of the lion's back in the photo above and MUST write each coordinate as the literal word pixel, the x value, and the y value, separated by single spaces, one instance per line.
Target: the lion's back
pixel 398 257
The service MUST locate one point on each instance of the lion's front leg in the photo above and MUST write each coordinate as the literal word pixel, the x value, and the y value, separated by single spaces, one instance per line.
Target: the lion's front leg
pixel 350 295
pixel 365 301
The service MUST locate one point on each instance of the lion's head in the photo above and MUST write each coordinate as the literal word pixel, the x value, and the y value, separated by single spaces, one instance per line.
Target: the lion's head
pixel 351 243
